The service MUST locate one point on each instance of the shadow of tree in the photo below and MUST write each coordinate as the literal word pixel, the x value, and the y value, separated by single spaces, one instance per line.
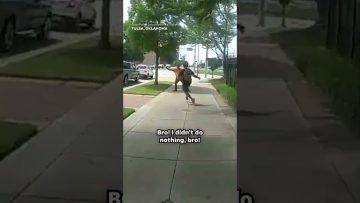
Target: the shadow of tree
pixel 24 44
pixel 257 66
pixel 66 29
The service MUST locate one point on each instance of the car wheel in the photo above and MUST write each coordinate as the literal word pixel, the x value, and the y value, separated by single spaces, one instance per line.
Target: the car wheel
pixel 45 30
pixel 91 24
pixel 7 36
pixel 126 80
pixel 77 23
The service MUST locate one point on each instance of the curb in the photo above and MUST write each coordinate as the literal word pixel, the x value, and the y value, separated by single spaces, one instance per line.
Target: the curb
pixel 40 152
pixel 140 114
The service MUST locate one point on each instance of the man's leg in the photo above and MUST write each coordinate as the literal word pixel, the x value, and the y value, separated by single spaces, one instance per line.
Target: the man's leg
pixel 186 91
pixel 176 82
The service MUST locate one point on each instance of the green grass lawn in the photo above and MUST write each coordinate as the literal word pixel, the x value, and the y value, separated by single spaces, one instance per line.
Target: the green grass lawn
pixel 275 10
pixel 127 112
pixel 82 61
pixel 337 76
pixel 227 92
pixel 149 88
pixel 12 135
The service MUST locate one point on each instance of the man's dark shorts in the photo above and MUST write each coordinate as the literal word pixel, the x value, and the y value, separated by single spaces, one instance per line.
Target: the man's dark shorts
pixel 186 84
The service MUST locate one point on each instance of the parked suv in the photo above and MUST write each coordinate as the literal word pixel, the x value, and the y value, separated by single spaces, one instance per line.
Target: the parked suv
pixel 130 72
pixel 74 12
pixel 22 17
pixel 145 71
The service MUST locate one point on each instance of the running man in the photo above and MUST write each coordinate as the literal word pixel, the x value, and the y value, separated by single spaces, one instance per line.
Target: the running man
pixel 178 72
pixel 186 77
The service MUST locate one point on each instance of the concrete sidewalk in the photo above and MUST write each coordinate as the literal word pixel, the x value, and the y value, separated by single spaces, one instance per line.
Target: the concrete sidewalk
pixel 280 156
pixel 76 159
pixel 191 173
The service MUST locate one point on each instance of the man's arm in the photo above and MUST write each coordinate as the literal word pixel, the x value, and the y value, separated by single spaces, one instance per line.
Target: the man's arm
pixel 195 76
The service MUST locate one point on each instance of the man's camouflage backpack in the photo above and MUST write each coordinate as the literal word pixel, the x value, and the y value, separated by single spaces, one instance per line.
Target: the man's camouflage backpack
pixel 187 75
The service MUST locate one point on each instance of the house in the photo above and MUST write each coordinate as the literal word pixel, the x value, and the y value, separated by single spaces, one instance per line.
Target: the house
pixel 149 59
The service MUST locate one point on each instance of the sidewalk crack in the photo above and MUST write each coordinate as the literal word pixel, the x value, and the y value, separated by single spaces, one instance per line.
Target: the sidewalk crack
pixel 177 158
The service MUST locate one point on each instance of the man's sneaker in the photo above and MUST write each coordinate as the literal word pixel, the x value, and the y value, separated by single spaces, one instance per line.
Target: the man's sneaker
pixel 187 98
pixel 193 100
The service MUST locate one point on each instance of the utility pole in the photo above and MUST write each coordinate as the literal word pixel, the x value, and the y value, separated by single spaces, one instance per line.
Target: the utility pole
pixel 261 12
pixel 194 57
pixel 206 59
pixel 198 58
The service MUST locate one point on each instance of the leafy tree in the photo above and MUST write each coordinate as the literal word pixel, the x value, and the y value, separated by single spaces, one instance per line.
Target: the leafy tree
pixel 155 12
pixel 203 11
pixel 170 56
pixel 223 29
pixel 201 65
pixel 214 64
pixel 130 53
pixel 199 33
pixel 284 4
pixel 178 62
pixel 105 25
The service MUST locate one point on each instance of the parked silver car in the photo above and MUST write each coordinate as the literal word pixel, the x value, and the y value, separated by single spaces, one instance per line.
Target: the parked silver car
pixel 130 72
pixel 23 17
pixel 74 12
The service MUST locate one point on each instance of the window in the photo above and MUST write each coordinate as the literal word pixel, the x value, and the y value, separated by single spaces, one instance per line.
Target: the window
pixel 126 66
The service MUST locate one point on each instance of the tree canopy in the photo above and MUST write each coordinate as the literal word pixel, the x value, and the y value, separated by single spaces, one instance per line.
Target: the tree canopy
pixel 152 16
pixel 208 22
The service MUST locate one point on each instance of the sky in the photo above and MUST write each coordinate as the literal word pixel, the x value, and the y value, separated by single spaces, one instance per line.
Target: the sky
pixel 189 55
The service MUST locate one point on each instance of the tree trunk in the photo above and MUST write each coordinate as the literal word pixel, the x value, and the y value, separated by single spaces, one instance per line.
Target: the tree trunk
pixel 351 27
pixel 323 7
pixel 225 71
pixel 283 14
pixel 356 40
pixel 206 60
pixel 346 27
pixel 105 25
pixel 341 40
pixel 333 24
pixel 156 67
pixel 261 13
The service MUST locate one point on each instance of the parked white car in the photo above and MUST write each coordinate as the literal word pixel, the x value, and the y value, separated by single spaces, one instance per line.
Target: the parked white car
pixel 145 71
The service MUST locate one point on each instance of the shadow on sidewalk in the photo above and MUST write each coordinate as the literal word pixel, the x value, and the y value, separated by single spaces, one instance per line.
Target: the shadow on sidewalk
pixel 196 90
pixel 255 39
pixel 200 104
pixel 258 66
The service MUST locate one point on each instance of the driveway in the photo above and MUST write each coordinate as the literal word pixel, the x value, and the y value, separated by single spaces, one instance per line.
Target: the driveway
pixel 39 102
